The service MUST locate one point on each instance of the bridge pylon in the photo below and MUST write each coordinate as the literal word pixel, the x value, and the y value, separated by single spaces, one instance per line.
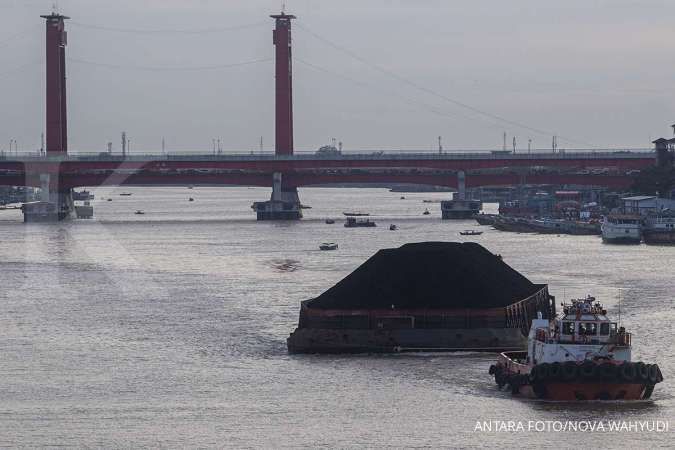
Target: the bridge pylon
pixel 285 202
pixel 55 204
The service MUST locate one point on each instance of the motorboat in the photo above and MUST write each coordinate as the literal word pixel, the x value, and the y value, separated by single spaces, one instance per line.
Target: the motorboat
pixel 328 246
pixel 470 233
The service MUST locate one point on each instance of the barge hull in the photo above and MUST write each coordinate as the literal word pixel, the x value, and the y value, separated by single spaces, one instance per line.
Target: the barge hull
pixel 317 340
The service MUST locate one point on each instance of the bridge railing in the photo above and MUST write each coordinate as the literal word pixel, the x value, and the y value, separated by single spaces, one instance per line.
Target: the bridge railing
pixel 402 156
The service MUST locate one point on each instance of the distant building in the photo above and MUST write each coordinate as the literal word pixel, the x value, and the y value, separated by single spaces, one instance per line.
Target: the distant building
pixel 328 150
pixel 665 151
pixel 645 204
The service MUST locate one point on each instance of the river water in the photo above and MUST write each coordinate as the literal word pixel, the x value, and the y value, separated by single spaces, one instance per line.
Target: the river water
pixel 169 328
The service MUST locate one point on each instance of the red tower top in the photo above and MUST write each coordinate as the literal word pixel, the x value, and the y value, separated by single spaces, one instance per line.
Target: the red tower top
pixel 57 125
pixel 283 144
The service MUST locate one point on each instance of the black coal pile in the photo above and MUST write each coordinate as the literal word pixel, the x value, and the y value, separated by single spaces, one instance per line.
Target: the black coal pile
pixel 428 275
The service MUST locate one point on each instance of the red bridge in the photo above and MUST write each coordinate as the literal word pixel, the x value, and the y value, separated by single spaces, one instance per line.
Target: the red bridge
pixel 57 172
pixel 607 169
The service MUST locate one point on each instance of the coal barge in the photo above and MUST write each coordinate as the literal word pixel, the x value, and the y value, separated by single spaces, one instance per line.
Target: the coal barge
pixel 429 296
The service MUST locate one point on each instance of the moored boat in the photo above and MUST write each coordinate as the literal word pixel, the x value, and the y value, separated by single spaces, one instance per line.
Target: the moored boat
pixel 459 209
pixel 579 355
pixel 353 222
pixel 659 229
pixel 486 219
pixel 622 229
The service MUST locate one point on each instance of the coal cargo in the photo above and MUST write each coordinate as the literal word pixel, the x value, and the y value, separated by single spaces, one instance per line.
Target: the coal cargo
pixel 428 296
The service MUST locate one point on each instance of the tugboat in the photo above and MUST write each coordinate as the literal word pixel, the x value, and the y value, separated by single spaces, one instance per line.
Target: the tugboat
pixel 579 355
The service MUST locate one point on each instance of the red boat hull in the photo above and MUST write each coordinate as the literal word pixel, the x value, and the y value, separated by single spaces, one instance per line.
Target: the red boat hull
pixel 569 392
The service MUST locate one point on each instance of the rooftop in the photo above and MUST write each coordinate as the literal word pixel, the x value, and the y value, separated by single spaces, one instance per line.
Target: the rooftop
pixel 639 198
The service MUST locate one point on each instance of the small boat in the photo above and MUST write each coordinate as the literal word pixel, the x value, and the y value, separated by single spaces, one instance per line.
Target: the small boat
pixel 353 222
pixel 393 227
pixel 579 355
pixel 305 207
pixel 470 233
pixel 328 246
pixel 426 212
pixel 125 194
pixel 110 199
pixel 402 198
pixel 191 187
pixel 355 213
pixel 330 221
pixel 138 211
pixel 191 199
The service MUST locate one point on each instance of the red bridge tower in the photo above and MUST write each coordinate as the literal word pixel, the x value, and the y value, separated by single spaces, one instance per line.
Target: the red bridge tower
pixel 57 133
pixel 281 36
pixel 284 203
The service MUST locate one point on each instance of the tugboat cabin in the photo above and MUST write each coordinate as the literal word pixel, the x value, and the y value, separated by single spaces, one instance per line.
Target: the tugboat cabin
pixel 583 322
pixel 583 330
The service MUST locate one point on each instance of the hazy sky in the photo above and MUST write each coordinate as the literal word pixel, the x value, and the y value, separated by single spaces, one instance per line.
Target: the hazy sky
pixel 595 72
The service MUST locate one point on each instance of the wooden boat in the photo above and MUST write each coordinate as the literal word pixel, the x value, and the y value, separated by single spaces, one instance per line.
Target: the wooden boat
pixel 470 233
pixel 328 246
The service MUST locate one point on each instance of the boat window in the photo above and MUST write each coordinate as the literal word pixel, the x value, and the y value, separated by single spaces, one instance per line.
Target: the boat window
pixel 588 329
pixel 604 329
pixel 612 328
pixel 568 328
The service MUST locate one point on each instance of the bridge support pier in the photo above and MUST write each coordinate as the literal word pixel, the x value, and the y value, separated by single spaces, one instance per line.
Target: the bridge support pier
pixel 460 208
pixel 284 203
pixel 54 205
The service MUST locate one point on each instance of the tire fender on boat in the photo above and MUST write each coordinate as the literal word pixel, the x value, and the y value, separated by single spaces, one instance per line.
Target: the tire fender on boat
pixel 555 371
pixel 628 372
pixel 587 370
pixel 607 371
pixel 569 371
pixel 653 373
pixel 543 372
pixel 642 371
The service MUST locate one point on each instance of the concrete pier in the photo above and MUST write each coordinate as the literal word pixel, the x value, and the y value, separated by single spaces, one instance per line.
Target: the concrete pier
pixel 284 203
